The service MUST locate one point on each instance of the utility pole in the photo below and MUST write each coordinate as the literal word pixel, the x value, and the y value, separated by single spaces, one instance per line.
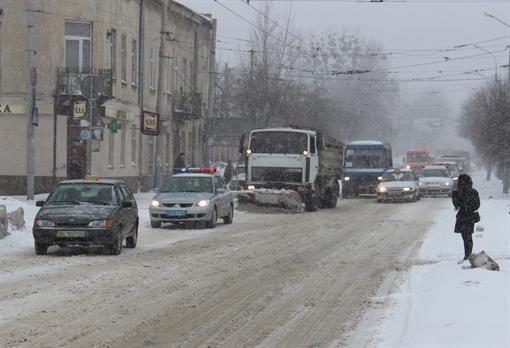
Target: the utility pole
pixel 31 84
pixel 159 103
pixel 91 107
pixel 251 103
pixel 212 85
pixel 141 35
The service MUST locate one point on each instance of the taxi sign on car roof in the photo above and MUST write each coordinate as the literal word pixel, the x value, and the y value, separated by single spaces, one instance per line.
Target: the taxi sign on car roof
pixel 91 178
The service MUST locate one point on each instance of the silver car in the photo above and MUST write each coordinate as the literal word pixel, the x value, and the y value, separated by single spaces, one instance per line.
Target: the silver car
pixel 193 197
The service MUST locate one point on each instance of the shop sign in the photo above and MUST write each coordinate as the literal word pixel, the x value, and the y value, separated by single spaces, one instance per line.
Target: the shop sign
pixel 11 109
pixel 80 107
pixel 150 123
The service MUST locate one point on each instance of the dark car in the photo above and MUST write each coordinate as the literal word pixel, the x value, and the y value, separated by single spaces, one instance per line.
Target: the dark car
pixel 87 213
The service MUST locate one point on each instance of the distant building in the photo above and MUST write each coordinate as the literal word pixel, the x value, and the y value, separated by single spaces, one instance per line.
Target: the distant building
pixel 76 38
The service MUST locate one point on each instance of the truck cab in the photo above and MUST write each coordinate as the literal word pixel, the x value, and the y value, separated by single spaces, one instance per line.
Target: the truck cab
pixel 364 165
pixel 296 159
pixel 416 159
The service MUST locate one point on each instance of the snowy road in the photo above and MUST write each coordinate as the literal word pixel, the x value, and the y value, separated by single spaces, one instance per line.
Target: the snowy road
pixel 267 280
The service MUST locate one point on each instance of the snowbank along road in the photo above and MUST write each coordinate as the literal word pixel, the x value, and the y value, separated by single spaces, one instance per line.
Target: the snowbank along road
pixel 267 280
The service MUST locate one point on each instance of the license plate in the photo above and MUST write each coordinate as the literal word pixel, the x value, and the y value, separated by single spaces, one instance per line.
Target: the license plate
pixel 70 234
pixel 177 213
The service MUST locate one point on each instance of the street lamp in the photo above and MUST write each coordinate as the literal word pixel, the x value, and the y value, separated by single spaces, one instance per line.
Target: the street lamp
pixel 490 15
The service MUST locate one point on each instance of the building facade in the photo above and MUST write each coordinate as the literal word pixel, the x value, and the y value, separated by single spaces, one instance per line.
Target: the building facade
pixel 98 72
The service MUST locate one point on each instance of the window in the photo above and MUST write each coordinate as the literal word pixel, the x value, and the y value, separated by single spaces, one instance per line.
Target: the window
pixel 152 69
pixel 123 136
pixel 133 145
pixel 184 72
pixel 123 57
pixel 113 52
pixel 111 148
pixel 77 46
pixel 134 62
pixel 312 145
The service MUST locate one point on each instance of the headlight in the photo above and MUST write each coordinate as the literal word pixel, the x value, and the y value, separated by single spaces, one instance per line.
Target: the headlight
pixel 447 184
pixel 155 204
pixel 347 178
pixel 305 153
pixel 203 203
pixel 408 167
pixel 251 187
pixel 407 189
pixel 382 189
pixel 248 152
pixel 44 223
pixel 379 178
pixel 420 184
pixel 101 223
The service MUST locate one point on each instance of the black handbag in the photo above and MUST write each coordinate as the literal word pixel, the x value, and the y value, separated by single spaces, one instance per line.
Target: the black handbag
pixel 475 217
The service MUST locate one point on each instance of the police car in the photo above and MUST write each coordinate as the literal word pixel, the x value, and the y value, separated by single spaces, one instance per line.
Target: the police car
pixel 193 195
pixel 398 185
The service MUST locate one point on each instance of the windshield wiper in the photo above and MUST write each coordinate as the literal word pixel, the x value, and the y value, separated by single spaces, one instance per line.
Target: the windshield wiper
pixel 96 202
pixel 65 202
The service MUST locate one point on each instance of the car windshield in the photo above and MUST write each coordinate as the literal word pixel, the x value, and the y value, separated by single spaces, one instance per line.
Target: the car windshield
pixel 364 158
pixel 188 184
pixel 417 157
pixel 396 176
pixel 439 173
pixel 83 193
pixel 279 142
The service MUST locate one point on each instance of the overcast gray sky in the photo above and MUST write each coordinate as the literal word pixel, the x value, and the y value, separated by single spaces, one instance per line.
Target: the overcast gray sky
pixel 403 28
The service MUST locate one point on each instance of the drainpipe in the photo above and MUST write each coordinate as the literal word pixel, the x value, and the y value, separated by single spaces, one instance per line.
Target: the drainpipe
pixel 141 25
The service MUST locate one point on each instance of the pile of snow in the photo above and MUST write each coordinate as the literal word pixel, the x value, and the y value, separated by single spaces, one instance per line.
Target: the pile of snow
pixel 22 238
pixel 442 303
pixel 270 200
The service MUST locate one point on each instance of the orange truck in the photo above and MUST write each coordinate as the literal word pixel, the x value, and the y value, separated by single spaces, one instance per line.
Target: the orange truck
pixel 417 158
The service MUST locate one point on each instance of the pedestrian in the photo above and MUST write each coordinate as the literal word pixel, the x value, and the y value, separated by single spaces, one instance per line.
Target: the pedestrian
pixel 467 201
pixel 228 171
pixel 180 161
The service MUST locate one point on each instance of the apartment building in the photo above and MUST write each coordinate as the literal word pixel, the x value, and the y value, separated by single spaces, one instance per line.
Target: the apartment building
pixel 107 51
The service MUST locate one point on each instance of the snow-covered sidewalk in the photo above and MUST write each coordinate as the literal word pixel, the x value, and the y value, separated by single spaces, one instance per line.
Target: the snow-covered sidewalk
pixel 441 303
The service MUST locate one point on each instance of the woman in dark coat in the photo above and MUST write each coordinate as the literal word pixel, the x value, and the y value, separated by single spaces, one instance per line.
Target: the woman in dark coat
pixel 466 200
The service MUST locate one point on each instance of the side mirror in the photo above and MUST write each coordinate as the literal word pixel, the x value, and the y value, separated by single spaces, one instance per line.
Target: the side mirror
pixel 155 190
pixel 127 204
pixel 39 203
pixel 241 144
pixel 220 190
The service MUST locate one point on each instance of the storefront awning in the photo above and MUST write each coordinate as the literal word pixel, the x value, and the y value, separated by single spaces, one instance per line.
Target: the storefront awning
pixel 120 110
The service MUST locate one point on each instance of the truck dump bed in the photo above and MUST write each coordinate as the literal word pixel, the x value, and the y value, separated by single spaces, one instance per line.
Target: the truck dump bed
pixel 330 156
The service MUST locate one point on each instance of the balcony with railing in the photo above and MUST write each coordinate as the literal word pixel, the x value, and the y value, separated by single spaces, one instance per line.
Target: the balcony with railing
pixel 69 82
pixel 187 106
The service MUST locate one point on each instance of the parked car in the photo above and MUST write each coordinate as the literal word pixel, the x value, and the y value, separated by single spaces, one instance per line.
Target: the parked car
pixel 435 180
pixel 93 212
pixel 398 185
pixel 193 195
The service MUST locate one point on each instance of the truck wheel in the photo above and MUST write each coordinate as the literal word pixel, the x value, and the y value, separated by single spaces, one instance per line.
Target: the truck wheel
pixel 311 202
pixel 332 201
pixel 345 194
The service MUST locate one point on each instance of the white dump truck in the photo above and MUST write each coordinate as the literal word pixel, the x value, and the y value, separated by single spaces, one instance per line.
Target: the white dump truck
pixel 297 160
